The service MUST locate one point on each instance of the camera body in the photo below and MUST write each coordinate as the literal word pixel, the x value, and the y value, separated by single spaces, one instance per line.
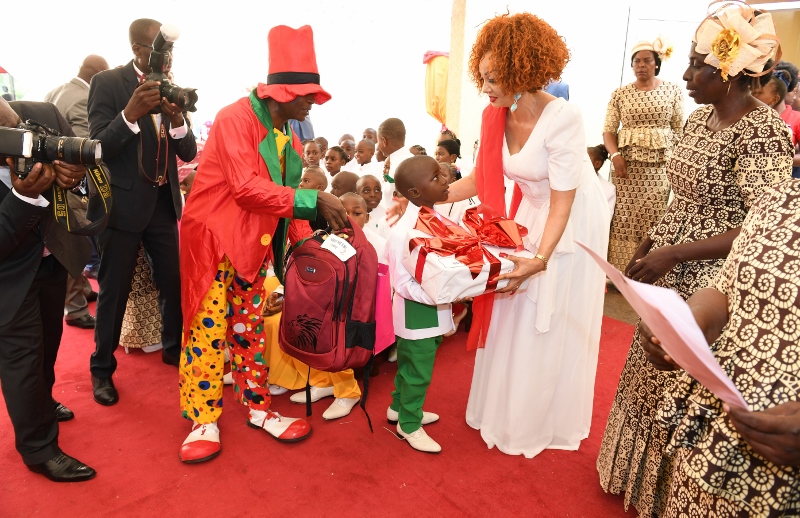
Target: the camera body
pixel 31 142
pixel 160 63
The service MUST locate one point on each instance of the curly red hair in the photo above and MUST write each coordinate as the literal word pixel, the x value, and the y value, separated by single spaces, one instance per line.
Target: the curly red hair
pixel 526 53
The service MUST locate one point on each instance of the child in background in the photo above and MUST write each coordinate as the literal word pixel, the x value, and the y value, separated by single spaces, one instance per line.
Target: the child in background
pixel 449 151
pixel 313 178
pixel 356 208
pixel 370 134
pixel 335 158
pixel 598 155
pixel 344 182
pixel 349 147
pixel 774 94
pixel 417 150
pixel 346 136
pixel 365 150
pixel 323 145
pixel 186 183
pixel 312 153
pixel 370 188
pixel 418 323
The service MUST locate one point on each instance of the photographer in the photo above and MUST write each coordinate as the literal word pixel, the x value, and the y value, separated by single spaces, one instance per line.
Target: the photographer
pixel 140 148
pixel 35 255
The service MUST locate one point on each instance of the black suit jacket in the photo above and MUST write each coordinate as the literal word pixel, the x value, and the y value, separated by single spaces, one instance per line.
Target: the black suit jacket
pixel 134 195
pixel 26 229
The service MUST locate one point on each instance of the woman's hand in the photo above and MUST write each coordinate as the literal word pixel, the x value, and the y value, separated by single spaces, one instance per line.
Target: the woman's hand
pixel 773 433
pixel 273 305
pixel 523 268
pixel 644 247
pixel 653 266
pixel 651 346
pixel 620 167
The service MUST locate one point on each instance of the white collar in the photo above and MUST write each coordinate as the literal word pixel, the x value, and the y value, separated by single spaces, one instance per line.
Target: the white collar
pixel 82 81
pixel 138 72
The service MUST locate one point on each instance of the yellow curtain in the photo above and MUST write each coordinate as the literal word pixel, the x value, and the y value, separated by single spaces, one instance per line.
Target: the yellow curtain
pixel 436 88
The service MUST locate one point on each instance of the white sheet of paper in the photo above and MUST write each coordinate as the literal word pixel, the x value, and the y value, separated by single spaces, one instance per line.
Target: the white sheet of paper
pixel 671 320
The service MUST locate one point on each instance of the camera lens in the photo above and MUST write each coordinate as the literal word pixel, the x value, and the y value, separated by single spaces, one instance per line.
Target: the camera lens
pixel 73 150
pixel 186 98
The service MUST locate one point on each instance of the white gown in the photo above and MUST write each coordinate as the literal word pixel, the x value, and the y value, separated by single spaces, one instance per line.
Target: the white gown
pixel 533 383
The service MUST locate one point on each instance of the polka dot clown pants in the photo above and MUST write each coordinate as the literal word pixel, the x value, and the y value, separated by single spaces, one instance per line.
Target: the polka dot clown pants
pixel 230 315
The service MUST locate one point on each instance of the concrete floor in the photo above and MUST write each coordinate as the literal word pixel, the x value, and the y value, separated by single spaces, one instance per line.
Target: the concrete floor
pixel 618 308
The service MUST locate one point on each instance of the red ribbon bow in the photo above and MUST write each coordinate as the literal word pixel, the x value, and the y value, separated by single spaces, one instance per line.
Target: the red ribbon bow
pixel 493 229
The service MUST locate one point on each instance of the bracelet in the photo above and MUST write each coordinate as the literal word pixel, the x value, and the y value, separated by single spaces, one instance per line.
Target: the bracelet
pixel 614 155
pixel 543 259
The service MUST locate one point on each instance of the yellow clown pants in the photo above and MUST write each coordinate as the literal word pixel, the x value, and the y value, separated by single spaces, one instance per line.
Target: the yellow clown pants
pixel 230 315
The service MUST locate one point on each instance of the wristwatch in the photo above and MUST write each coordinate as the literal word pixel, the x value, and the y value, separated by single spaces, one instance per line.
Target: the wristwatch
pixel 613 156
pixel 543 259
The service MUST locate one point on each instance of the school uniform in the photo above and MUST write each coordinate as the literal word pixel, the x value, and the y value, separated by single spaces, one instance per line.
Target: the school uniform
pixel 419 326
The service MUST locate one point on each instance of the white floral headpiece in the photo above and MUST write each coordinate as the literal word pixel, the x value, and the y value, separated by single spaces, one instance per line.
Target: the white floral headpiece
pixel 661 46
pixel 735 39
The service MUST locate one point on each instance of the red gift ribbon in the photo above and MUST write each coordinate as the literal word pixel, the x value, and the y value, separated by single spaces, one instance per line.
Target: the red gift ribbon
pixel 451 240
pixel 493 229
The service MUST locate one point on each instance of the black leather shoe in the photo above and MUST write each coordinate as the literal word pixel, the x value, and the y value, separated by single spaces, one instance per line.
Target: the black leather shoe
pixel 169 359
pixel 91 297
pixel 62 413
pixel 63 468
pixel 84 322
pixel 104 391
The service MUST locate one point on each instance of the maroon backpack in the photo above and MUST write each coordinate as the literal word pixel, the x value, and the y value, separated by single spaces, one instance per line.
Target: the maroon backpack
pixel 328 318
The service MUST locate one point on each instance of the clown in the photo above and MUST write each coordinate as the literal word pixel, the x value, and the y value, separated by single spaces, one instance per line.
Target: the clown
pixel 244 205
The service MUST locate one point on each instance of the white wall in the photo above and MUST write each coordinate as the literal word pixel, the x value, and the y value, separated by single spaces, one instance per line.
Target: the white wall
pixel 369 52
pixel 595 33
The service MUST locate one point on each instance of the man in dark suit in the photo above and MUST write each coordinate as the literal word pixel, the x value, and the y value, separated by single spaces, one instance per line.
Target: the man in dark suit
pixel 35 255
pixel 140 150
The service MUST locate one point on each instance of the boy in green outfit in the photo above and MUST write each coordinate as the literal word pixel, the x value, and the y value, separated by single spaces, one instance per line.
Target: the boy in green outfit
pixel 419 323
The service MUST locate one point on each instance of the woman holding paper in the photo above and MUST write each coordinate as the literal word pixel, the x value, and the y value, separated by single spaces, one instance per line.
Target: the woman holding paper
pixel 533 383
pixel 728 461
pixel 732 149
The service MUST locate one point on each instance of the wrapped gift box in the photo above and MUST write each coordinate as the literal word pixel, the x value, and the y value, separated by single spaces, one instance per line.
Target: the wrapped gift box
pixel 452 262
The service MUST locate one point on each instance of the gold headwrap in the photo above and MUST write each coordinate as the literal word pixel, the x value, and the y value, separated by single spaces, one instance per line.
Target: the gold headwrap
pixel 735 40
pixel 661 46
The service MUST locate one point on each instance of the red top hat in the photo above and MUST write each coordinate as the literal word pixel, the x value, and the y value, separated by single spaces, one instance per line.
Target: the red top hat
pixel 292 66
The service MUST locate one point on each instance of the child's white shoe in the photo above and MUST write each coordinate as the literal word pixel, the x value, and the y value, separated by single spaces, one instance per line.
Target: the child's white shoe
pixel 340 408
pixel 419 440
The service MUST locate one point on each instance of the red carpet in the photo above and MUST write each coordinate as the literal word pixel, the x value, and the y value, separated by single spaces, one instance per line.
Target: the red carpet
pixel 341 469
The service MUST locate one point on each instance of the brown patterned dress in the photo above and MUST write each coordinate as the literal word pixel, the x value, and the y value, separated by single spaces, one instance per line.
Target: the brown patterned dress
pixel 651 125
pixel 716 176
pixel 716 472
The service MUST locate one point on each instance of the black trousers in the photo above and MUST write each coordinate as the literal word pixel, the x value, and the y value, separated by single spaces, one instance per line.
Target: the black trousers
pixel 28 349
pixel 118 252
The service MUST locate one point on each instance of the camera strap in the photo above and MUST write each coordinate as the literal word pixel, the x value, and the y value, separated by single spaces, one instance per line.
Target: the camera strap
pixel 98 185
pixel 162 155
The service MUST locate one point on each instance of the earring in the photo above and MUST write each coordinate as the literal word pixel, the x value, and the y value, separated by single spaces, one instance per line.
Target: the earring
pixel 729 88
pixel 516 98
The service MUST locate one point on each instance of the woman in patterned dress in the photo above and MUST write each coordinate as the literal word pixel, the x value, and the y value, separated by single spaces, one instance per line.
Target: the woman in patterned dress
pixel 651 113
pixel 736 462
pixel 731 150
pixel 141 326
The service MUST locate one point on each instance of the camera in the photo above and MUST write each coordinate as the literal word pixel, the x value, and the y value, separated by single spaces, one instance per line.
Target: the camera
pixel 31 142
pixel 160 63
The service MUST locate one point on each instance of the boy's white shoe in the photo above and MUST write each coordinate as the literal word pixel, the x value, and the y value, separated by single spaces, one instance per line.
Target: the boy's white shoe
pixel 427 417
pixel 419 440
pixel 340 408
pixel 227 379
pixel 392 354
pixel 317 393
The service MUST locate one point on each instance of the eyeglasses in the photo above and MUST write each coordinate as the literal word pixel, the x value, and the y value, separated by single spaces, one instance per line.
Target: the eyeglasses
pixel 143 45
pixel 637 61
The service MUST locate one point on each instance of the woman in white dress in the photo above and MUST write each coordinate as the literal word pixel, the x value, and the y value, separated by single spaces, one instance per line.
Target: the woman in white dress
pixel 533 383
